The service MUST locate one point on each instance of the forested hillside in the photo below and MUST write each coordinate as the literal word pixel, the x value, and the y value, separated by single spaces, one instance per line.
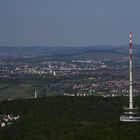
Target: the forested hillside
pixel 68 118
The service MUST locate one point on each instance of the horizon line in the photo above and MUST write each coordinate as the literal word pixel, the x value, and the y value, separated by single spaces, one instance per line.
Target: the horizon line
pixel 64 46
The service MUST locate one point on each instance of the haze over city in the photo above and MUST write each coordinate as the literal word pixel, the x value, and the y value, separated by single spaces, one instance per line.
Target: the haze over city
pixel 68 22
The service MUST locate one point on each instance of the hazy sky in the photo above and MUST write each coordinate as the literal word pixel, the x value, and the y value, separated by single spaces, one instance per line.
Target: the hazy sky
pixel 68 22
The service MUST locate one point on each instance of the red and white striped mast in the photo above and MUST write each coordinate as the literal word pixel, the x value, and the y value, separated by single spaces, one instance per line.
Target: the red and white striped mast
pixel 130 70
pixel 131 113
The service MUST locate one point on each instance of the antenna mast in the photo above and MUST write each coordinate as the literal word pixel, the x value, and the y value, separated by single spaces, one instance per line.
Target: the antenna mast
pixel 130 72
pixel 130 113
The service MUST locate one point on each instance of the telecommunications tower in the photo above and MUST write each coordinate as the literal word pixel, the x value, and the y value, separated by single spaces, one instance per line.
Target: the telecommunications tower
pixel 131 112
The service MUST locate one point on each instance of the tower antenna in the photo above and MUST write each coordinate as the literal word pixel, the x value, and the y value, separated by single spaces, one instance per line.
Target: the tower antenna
pixel 130 113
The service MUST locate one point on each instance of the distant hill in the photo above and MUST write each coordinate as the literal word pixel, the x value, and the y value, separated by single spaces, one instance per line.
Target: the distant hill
pixel 54 50
pixel 36 54
pixel 100 54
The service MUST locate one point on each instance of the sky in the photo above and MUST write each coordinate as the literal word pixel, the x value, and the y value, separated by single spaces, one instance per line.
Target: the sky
pixel 68 22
